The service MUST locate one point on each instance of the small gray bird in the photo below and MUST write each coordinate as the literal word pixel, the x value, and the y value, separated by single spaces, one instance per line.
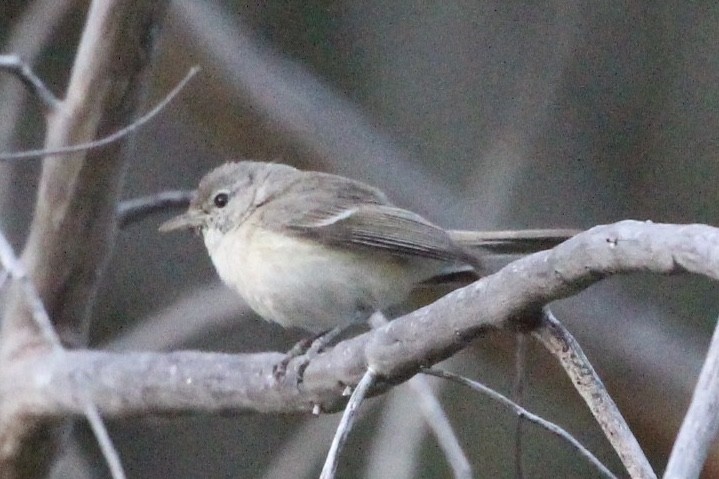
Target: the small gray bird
pixel 319 251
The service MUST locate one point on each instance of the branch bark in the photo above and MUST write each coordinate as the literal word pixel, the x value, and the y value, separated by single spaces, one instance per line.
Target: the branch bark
pixel 562 345
pixel 74 222
pixel 185 382
pixel 41 386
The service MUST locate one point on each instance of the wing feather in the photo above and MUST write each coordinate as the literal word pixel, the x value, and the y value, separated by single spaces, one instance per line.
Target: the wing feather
pixel 343 213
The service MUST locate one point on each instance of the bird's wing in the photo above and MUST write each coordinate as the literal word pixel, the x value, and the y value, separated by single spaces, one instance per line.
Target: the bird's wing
pixel 347 214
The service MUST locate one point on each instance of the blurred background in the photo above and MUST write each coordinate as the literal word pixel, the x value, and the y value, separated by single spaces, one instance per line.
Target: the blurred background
pixel 476 114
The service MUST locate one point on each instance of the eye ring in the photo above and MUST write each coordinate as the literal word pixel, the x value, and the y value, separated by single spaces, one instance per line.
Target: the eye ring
pixel 221 199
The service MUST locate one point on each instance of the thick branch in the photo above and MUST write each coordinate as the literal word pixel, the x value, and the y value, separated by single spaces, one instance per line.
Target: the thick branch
pixel 440 329
pixel 77 195
pixel 74 222
pixel 135 384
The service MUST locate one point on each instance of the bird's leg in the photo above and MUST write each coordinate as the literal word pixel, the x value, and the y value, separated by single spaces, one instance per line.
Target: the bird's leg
pixel 309 347
pixel 300 348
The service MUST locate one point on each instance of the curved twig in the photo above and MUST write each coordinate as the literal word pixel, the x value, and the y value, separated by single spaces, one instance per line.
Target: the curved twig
pixel 113 137
pixel 524 414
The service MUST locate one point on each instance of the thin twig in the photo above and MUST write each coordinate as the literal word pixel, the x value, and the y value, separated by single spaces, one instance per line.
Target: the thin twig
pixel 562 345
pixel 32 82
pixel 701 423
pixel 103 438
pixel 346 423
pixel 298 456
pixel 520 360
pixel 438 422
pixel 137 209
pixel 14 266
pixel 521 412
pixel 435 417
pixel 119 134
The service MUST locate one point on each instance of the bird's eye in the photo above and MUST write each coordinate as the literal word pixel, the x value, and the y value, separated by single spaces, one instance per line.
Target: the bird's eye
pixel 221 200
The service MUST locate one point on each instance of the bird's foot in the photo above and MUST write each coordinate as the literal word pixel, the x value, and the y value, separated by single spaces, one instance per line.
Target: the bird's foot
pixel 307 348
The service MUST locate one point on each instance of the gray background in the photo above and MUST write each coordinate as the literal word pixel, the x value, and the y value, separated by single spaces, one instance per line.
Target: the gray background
pixel 476 114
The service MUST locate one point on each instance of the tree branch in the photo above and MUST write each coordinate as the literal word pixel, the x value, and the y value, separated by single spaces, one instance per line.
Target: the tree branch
pixel 112 137
pixel 16 269
pixel 346 423
pixel 700 426
pixel 522 413
pixel 558 341
pixel 243 383
pixel 13 64
pixel 186 382
pixel 74 222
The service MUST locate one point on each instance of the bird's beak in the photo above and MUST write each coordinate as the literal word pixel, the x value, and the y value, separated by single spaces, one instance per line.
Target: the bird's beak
pixel 191 219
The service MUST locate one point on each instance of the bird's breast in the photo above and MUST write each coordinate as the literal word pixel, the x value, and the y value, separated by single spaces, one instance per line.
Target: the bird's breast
pixel 300 283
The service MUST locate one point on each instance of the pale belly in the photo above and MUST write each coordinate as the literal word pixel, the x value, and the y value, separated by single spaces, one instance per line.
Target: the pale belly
pixel 290 282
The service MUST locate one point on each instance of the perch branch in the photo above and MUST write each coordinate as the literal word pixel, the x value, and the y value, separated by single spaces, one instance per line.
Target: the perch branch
pixel 153 383
pixel 244 382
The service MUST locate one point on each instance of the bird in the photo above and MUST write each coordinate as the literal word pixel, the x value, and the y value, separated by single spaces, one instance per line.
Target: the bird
pixel 322 252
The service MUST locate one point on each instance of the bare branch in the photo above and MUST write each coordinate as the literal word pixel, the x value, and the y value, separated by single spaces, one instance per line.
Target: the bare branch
pixel 16 269
pixel 137 209
pixel 520 361
pixel 560 343
pixel 74 221
pixel 185 382
pixel 533 281
pixel 523 413
pixel 151 383
pixel 14 65
pixel 111 138
pixel 701 423
pixel 103 439
pixel 346 423
pixel 26 37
